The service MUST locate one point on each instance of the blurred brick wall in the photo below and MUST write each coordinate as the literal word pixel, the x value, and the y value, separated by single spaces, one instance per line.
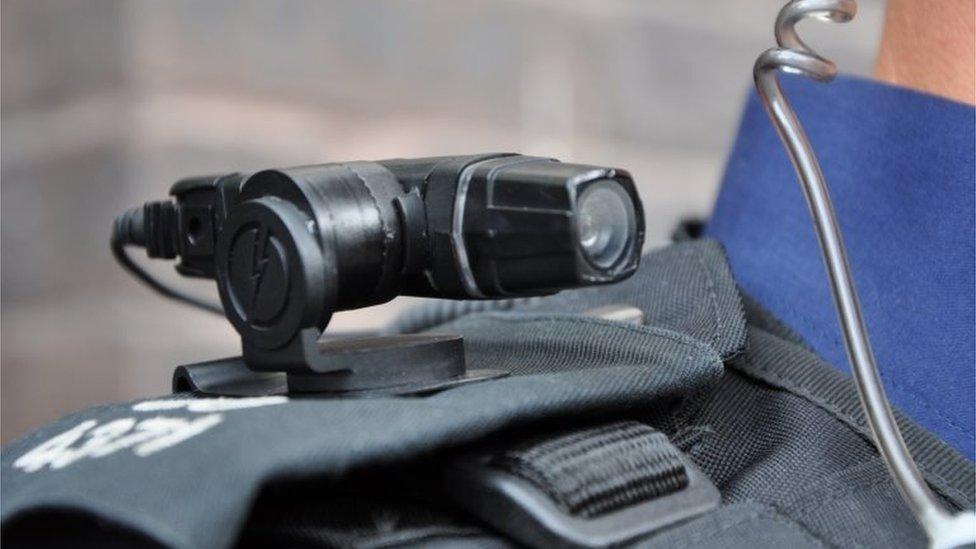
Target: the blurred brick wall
pixel 106 102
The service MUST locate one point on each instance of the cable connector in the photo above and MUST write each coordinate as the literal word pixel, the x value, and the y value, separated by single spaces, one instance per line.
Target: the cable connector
pixel 161 229
pixel 155 227
pixel 152 226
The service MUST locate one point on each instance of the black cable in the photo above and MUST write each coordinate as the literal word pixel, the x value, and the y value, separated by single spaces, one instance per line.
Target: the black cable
pixel 120 238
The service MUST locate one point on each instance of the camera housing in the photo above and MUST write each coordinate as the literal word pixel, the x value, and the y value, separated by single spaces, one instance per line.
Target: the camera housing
pixel 289 247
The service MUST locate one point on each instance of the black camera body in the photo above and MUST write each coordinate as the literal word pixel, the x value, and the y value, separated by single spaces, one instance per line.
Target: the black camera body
pixel 288 247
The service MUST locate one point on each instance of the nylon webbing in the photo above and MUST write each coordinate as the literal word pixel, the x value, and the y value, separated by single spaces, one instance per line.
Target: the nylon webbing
pixel 598 470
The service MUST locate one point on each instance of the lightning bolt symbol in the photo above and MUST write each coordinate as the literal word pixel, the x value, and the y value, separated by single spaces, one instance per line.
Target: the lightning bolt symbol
pixel 259 262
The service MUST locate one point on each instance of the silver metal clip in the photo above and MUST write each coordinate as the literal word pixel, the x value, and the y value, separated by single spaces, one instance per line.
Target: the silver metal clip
pixel 793 55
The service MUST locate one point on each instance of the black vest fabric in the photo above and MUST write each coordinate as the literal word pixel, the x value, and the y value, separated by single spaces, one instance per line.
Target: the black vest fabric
pixel 777 431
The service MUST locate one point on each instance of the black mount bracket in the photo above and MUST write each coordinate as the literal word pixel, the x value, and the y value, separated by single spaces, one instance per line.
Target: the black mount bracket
pixel 356 366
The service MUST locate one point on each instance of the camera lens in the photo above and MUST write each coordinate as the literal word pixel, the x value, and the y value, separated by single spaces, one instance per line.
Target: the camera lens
pixel 605 222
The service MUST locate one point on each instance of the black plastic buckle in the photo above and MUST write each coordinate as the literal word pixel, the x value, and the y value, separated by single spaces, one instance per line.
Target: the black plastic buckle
pixel 522 511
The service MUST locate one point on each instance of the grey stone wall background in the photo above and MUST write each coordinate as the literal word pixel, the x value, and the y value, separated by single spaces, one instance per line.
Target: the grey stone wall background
pixel 106 102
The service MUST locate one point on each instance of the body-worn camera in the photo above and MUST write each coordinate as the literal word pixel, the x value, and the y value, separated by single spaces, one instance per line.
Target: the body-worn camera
pixel 288 247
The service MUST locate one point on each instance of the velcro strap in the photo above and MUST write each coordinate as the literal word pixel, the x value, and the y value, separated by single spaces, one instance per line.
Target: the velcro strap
pixel 598 470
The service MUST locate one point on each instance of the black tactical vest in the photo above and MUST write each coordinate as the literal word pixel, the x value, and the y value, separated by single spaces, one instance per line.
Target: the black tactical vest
pixel 708 425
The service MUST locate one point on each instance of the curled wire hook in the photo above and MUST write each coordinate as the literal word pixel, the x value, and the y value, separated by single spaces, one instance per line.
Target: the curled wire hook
pixel 793 55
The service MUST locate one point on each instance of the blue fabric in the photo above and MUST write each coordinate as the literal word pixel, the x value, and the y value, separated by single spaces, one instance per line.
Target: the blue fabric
pixel 900 168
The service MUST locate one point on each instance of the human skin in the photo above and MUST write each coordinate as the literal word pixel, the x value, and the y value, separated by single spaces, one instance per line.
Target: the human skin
pixel 930 46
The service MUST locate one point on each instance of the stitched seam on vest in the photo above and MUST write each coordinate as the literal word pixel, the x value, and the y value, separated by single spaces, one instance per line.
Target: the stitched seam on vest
pixel 943 485
pixel 713 298
pixel 663 333
pixel 901 387
pixel 764 512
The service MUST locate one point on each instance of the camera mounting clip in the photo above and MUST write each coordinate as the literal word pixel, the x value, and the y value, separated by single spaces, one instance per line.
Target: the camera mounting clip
pixel 343 366
pixel 269 272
